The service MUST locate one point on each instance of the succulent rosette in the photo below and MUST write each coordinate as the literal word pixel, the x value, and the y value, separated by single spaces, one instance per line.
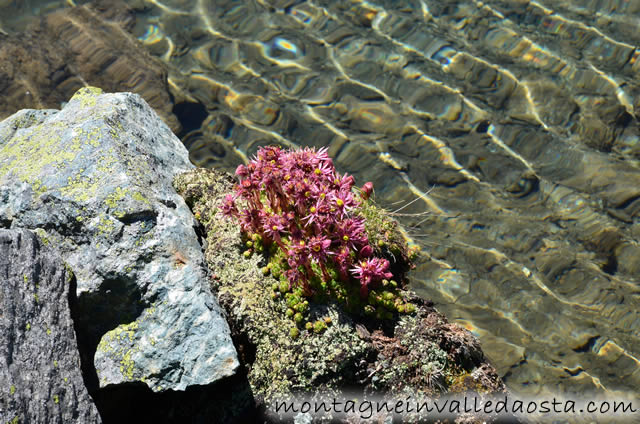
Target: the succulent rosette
pixel 296 200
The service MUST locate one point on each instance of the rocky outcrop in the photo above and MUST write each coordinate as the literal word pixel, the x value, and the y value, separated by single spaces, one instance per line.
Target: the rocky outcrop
pixel 39 360
pixel 68 49
pixel 416 354
pixel 94 180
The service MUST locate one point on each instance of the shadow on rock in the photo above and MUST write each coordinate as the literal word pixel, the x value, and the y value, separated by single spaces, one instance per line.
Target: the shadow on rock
pixel 228 401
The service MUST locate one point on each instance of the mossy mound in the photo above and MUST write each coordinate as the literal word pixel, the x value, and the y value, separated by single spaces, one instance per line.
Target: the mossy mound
pixel 277 363
pixel 418 352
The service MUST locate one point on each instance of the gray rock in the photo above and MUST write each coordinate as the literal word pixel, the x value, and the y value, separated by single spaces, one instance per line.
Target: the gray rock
pixel 39 361
pixel 94 179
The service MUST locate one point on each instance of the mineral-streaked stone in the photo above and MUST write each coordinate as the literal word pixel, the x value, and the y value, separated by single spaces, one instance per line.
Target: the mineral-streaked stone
pixel 94 179
pixel 39 361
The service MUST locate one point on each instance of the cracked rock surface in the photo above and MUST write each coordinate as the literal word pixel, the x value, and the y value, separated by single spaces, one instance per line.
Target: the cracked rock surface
pixel 39 360
pixel 94 181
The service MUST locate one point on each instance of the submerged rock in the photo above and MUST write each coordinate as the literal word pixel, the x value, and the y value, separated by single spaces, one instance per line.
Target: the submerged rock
pixel 90 44
pixel 39 360
pixel 417 354
pixel 94 180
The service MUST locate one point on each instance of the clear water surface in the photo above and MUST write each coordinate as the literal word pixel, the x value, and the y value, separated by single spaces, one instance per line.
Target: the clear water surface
pixel 504 134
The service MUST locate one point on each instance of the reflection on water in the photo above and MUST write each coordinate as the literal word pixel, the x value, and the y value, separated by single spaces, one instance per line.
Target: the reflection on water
pixel 512 123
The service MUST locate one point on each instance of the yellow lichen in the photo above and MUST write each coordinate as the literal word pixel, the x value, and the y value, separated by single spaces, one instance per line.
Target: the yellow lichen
pixel 140 198
pixel 80 188
pixel 35 152
pixel 118 194
pixel 43 236
pixel 106 225
pixel 87 96
pixel 115 343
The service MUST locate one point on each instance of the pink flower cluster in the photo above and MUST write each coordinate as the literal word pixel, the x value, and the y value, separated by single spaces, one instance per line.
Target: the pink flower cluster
pixel 297 200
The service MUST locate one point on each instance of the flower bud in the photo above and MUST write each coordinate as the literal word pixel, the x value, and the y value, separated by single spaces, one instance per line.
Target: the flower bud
pixel 367 189
pixel 241 171
pixel 366 251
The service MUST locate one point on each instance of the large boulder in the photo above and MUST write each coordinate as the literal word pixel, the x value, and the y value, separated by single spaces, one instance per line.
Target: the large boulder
pixel 94 180
pixel 39 361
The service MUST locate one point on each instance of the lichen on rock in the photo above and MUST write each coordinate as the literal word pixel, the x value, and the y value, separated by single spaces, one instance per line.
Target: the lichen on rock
pixel 94 181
